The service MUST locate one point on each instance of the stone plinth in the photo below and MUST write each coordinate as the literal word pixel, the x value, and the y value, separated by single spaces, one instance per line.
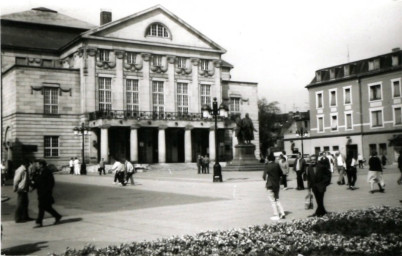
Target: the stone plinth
pixel 244 159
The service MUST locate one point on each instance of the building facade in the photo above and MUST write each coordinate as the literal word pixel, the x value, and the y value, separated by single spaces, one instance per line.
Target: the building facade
pixel 356 107
pixel 138 84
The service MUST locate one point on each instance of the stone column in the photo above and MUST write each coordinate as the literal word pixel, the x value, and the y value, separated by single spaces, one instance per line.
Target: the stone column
pixel 234 141
pixel 145 86
pixel 134 143
pixel 104 143
pixel 88 80
pixel 194 92
pixel 119 96
pixel 162 144
pixel 170 90
pixel 212 153
pixel 187 144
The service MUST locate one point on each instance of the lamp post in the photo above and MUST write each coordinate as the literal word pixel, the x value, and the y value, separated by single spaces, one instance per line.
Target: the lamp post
pixel 81 130
pixel 215 112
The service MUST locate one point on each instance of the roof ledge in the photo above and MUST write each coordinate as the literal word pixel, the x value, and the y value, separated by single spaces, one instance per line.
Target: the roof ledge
pixel 43 9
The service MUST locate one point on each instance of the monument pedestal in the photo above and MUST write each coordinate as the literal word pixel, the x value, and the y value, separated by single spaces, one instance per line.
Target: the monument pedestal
pixel 244 159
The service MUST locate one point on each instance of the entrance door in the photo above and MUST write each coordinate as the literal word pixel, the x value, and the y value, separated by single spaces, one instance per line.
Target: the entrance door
pixel 200 142
pixel 148 145
pixel 119 143
pixel 174 145
pixel 352 149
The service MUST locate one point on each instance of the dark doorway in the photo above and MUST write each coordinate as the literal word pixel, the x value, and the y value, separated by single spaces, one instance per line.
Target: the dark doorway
pixel 119 143
pixel 148 145
pixel 199 142
pixel 352 150
pixel 174 145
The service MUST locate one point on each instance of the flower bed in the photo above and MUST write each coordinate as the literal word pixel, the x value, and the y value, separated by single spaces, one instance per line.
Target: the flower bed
pixel 373 231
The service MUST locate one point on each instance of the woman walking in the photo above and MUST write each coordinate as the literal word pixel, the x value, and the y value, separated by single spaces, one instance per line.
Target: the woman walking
pixel 272 175
pixel 375 173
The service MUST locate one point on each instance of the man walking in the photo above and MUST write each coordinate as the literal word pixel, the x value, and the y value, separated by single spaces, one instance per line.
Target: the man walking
pixel 118 169
pixel 341 166
pixel 101 167
pixel 299 168
pixel 21 187
pixel 44 183
pixel 130 172
pixel 71 165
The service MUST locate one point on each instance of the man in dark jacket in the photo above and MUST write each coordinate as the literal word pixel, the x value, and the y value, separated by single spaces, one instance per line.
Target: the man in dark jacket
pixel 299 167
pixel 44 183
pixel 318 178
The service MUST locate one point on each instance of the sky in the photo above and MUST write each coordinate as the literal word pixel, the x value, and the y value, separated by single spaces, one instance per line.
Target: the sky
pixel 277 44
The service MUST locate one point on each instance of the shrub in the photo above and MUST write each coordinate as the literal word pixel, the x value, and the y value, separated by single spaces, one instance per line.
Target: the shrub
pixel 373 231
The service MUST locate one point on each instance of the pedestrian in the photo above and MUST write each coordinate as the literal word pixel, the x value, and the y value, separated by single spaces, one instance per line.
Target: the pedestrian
pixel 400 167
pixel 83 169
pixel 360 159
pixel 118 169
pixel 272 175
pixel 77 166
pixel 318 178
pixel 383 160
pixel 299 168
pixel 283 163
pixel 205 162
pixel 130 170
pixel 21 187
pixel 102 167
pixel 44 184
pixel 340 164
pixel 199 163
pixel 351 171
pixel 71 165
pixel 3 173
pixel 375 173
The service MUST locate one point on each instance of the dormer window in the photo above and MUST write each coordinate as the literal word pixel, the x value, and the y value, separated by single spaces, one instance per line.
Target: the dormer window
pixel 374 64
pixel 395 60
pixel 318 76
pixel 346 70
pixel 332 73
pixel 158 30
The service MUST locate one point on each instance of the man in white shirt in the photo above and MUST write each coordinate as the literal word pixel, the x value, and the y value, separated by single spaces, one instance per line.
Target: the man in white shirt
pixel 21 186
pixel 341 166
pixel 118 169
pixel 130 172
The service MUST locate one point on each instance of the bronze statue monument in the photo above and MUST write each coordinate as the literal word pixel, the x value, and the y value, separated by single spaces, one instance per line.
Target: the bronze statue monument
pixel 244 130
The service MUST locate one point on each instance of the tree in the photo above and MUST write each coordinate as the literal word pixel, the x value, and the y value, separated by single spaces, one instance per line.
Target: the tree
pixel 270 121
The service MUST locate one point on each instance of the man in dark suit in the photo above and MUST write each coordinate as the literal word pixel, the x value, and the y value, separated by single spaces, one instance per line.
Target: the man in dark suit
pixel 299 168
pixel 318 178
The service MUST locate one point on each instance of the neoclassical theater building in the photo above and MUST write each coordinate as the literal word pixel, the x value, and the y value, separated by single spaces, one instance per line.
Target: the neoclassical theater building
pixel 138 83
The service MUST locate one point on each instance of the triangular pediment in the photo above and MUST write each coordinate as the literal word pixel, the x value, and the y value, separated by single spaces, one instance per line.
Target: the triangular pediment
pixel 134 28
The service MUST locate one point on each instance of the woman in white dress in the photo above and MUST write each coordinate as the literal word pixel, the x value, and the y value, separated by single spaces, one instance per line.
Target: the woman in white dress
pixel 77 167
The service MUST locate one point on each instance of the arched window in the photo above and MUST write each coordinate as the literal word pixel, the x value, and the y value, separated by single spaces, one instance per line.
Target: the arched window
pixel 158 30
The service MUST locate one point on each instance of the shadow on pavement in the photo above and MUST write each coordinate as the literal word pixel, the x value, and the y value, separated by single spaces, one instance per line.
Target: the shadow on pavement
pixel 65 221
pixel 24 249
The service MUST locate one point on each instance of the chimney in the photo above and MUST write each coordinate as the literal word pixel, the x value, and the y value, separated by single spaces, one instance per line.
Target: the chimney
pixel 105 17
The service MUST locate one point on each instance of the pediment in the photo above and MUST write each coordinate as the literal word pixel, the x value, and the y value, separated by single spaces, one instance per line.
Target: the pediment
pixel 134 28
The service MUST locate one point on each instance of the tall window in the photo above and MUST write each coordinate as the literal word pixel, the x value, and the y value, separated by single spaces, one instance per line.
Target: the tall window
pixel 398 116
pixel 349 124
pixel 204 64
pixel 182 98
pixel 105 93
pixel 347 95
pixel 181 62
pixel 375 92
pixel 205 94
pixel 332 95
pixel 158 97
pixel 51 146
pixel 103 55
pixel 334 122
pixel 320 124
pixel 319 100
pixel 234 105
pixel 396 88
pixel 132 95
pixel 158 30
pixel 373 148
pixel 376 118
pixel 130 57
pixel 157 60
pixel 51 100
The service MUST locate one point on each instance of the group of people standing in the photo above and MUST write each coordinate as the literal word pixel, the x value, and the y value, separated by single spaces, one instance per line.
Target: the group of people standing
pixel 123 172
pixel 76 167
pixel 203 164
pixel 30 176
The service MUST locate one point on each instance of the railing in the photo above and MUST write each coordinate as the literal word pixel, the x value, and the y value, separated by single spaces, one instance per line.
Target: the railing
pixel 145 115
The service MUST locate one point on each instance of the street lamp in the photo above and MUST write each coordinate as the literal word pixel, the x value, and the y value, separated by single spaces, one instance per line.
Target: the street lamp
pixel 301 132
pixel 82 130
pixel 215 112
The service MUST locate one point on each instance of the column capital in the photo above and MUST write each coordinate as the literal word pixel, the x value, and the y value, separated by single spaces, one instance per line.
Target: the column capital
pixel 146 56
pixel 119 54
pixel 91 51
pixel 135 126
pixel 188 127
pixel 105 126
pixel 217 63
pixel 212 128
pixel 162 127
pixel 171 59
pixel 195 61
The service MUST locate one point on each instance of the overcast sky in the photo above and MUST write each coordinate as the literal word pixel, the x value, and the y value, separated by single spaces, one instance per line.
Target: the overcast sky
pixel 278 44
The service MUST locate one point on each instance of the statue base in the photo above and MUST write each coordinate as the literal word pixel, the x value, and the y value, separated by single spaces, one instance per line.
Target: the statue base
pixel 244 159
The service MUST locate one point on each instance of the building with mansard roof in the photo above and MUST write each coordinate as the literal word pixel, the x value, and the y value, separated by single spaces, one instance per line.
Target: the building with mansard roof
pixel 356 107
pixel 139 83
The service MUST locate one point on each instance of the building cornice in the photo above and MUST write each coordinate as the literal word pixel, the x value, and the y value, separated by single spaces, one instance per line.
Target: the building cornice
pixel 345 135
pixel 36 67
